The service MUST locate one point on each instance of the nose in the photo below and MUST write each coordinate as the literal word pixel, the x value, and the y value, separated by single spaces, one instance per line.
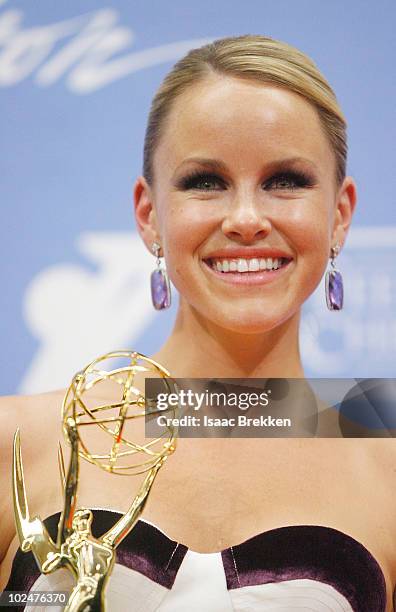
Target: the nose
pixel 246 220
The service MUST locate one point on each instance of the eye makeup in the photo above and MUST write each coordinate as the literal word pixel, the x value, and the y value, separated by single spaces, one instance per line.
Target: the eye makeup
pixel 193 179
pixel 290 179
pixel 284 180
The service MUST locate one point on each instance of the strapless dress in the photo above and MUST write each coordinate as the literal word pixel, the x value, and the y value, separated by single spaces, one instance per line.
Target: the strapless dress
pixel 299 567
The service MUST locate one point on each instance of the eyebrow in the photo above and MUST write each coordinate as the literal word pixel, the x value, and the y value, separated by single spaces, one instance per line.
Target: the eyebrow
pixel 217 164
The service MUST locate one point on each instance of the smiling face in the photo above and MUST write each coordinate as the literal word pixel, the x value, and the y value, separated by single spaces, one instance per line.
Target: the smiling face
pixel 244 174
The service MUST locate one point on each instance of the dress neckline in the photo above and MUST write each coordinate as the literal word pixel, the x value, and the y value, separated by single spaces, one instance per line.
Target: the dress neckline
pixel 287 553
pixel 260 535
pixel 250 538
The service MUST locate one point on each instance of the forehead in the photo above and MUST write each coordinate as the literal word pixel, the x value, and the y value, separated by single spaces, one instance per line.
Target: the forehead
pixel 242 121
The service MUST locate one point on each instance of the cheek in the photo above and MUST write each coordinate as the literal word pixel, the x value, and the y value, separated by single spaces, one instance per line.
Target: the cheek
pixel 310 230
pixel 185 228
pixel 308 225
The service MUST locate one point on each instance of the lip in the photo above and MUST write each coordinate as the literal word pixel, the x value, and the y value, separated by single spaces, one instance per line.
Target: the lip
pixel 247 253
pixel 262 277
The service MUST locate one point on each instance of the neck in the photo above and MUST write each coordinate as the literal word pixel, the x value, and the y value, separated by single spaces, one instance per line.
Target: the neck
pixel 197 348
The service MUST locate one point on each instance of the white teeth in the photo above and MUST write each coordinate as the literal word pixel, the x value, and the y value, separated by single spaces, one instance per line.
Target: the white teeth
pixel 254 265
pixel 247 265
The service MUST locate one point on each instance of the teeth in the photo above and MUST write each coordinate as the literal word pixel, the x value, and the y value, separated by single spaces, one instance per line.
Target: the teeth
pixel 247 265
pixel 243 265
pixel 254 265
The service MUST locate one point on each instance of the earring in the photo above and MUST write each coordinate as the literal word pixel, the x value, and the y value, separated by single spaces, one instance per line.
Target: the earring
pixel 160 287
pixel 334 284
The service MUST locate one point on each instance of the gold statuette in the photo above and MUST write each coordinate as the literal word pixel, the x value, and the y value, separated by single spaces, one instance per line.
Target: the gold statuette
pixel 91 559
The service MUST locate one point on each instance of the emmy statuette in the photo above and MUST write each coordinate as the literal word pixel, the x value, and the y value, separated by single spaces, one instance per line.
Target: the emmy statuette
pixel 90 559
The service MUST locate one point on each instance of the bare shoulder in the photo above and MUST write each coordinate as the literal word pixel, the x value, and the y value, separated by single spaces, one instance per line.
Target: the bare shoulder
pixel 383 452
pixel 377 459
pixel 38 417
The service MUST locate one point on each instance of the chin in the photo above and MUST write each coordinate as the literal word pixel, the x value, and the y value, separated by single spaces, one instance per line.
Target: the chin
pixel 252 323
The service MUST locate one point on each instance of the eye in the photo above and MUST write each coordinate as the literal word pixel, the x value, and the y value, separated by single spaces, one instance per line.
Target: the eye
pixel 203 181
pixel 289 181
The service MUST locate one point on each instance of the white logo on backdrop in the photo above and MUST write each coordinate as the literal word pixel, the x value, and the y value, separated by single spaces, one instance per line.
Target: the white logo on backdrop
pixel 77 313
pixel 364 332
pixel 88 44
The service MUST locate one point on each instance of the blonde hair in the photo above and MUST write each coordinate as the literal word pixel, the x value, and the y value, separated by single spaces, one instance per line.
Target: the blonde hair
pixel 254 58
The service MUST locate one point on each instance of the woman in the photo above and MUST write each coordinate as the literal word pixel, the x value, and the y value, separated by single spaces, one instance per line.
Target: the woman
pixel 244 190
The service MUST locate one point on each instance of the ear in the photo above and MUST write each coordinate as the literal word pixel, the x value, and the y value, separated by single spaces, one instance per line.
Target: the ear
pixel 145 213
pixel 346 202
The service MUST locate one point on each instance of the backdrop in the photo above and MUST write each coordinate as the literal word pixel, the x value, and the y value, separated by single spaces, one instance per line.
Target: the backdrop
pixel 76 82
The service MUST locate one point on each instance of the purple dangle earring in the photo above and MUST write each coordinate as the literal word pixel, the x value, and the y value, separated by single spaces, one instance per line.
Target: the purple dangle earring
pixel 160 287
pixel 334 284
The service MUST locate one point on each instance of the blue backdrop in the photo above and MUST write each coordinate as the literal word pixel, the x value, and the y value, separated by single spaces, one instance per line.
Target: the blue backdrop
pixel 76 82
